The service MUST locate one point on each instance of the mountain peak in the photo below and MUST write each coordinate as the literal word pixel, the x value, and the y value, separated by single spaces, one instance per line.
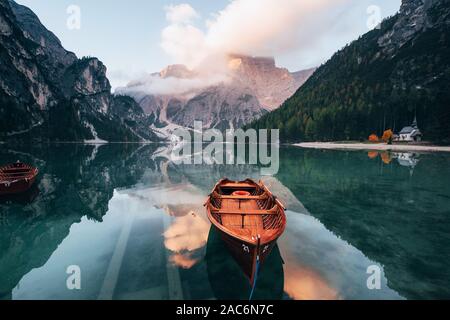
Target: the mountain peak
pixel 238 60
pixel 176 71
pixel 221 98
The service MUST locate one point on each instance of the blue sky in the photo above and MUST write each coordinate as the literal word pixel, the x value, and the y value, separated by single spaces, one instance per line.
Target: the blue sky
pixel 127 35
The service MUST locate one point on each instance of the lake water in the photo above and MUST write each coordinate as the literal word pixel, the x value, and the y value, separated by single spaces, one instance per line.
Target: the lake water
pixel 134 224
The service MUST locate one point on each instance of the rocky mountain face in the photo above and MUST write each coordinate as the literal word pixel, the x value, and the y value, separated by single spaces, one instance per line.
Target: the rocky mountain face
pixel 270 85
pixel 380 81
pixel 414 18
pixel 133 117
pixel 47 93
pixel 247 89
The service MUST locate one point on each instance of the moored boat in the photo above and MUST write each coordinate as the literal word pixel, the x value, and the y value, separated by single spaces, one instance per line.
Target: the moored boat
pixel 250 220
pixel 17 178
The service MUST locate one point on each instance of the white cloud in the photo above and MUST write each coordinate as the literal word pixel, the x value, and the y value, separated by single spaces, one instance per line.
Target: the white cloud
pixel 184 43
pixel 302 30
pixel 251 27
pixel 155 85
pixel 182 13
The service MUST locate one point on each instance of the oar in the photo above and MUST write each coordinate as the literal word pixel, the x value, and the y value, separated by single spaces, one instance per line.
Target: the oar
pixel 255 279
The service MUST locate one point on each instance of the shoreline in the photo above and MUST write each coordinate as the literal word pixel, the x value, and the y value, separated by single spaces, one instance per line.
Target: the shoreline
pixel 91 143
pixel 375 146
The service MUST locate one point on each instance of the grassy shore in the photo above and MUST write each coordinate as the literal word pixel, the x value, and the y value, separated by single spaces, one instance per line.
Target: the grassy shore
pixel 373 146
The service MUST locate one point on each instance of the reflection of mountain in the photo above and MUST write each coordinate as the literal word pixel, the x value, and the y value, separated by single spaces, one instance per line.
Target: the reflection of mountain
pixel 80 180
pixel 395 219
pixel 374 212
pixel 312 253
pixel 76 181
pixel 206 176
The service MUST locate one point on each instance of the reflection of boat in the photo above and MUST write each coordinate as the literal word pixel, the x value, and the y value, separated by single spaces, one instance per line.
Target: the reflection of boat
pixel 16 178
pixel 233 286
pixel 250 220
pixel 26 197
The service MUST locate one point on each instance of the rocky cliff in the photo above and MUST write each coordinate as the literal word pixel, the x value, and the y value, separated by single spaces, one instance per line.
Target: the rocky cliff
pixel 46 92
pixel 270 84
pixel 245 90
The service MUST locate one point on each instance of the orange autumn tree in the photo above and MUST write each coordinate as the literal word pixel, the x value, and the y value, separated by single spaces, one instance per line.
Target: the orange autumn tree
pixel 387 135
pixel 374 138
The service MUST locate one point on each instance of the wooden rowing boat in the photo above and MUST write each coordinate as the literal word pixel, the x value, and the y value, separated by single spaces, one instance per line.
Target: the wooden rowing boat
pixel 17 178
pixel 232 287
pixel 250 220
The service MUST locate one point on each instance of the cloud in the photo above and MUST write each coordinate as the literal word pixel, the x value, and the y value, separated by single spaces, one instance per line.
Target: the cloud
pixel 184 43
pixel 250 27
pixel 301 30
pixel 182 13
pixel 155 85
pixel 119 77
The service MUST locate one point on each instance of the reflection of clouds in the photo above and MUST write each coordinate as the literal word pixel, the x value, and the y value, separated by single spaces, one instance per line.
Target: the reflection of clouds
pixel 302 283
pixel 187 233
pixel 171 195
pixel 184 261
pixel 319 265
pixel 177 210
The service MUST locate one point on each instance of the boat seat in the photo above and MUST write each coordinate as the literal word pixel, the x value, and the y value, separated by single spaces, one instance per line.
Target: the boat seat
pixel 263 197
pixel 237 185
pixel 247 212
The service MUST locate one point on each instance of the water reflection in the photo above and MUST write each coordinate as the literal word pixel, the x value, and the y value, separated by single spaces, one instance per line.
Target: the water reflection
pixel 23 198
pixel 321 266
pixel 135 223
pixel 409 160
pixel 188 228
pixel 228 281
pixel 303 283
pixel 395 219
pixel 405 159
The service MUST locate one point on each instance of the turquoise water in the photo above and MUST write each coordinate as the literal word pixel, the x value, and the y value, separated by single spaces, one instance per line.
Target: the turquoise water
pixel 134 224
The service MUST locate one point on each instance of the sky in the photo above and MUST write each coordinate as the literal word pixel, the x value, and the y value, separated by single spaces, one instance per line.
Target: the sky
pixel 137 37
